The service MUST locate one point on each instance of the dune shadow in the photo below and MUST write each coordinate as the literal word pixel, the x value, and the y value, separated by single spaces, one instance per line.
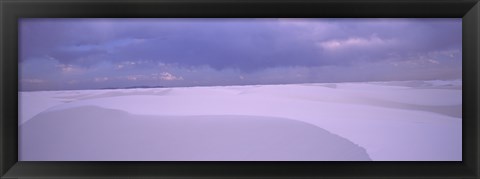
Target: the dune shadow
pixel 421 84
pixel 92 133
pixel 115 94
pixel 448 110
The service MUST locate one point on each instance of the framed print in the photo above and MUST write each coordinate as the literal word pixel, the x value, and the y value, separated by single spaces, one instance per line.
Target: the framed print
pixel 239 89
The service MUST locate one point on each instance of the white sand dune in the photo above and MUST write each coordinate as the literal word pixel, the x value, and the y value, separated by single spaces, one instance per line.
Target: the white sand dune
pixel 101 134
pixel 391 121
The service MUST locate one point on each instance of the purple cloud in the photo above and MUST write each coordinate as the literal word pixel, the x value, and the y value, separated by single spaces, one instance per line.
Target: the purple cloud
pixel 106 48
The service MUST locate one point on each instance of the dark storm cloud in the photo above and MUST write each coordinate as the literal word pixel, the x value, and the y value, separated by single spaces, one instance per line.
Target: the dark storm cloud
pixel 82 49
pixel 217 43
pixel 241 43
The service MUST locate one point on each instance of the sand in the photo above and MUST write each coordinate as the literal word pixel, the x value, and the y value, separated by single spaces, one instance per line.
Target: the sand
pixel 381 121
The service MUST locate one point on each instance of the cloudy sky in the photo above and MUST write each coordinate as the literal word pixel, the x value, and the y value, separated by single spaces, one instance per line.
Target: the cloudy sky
pixel 57 54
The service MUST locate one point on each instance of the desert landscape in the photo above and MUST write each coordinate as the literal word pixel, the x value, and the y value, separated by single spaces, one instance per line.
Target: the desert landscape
pixel 240 89
pixel 351 121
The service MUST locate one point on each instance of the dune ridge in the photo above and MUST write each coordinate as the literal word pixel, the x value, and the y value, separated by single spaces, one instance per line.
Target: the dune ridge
pixel 114 135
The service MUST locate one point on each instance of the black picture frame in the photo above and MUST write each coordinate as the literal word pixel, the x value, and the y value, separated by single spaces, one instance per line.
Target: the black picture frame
pixel 12 10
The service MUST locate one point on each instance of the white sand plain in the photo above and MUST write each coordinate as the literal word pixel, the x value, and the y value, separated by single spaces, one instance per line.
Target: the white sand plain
pixel 380 121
